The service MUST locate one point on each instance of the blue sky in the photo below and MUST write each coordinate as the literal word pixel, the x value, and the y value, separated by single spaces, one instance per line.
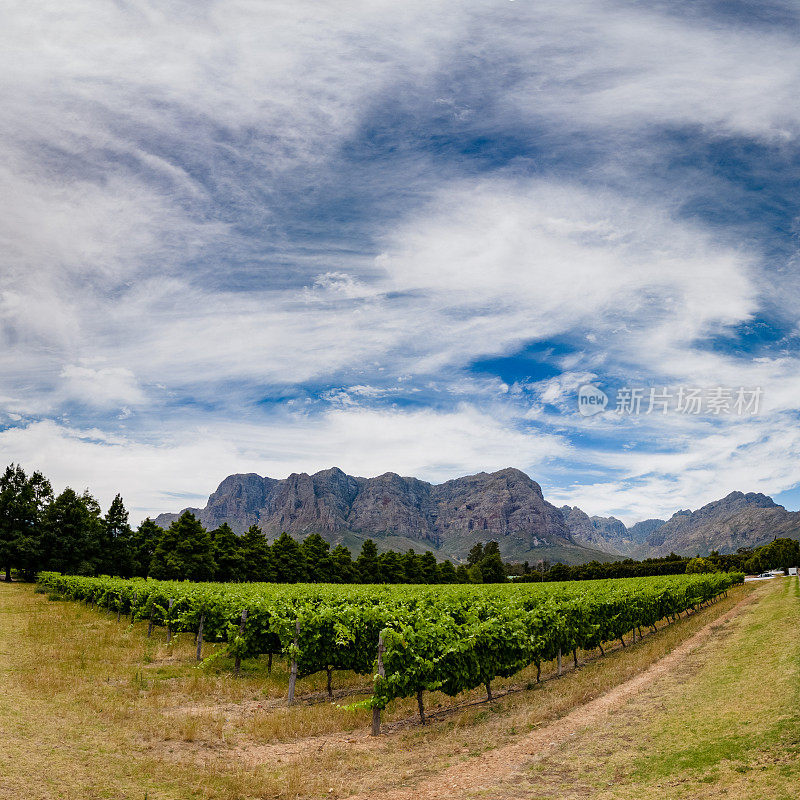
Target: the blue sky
pixel 275 237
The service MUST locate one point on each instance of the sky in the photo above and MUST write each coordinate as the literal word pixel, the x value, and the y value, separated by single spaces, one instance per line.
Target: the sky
pixel 275 237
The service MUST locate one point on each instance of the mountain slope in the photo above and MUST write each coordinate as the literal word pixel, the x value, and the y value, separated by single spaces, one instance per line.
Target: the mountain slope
pixel 401 512
pixel 737 520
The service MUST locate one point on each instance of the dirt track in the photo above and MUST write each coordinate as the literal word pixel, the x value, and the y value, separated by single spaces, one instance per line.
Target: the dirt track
pixel 485 771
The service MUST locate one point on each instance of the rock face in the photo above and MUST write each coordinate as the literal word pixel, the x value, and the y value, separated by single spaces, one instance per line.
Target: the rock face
pixel 608 534
pixel 640 531
pixel 738 520
pixel 507 506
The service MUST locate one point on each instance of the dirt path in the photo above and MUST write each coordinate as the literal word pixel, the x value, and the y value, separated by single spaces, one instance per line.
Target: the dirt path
pixel 485 771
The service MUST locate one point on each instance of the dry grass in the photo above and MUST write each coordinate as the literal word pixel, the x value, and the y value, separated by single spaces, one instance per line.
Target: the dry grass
pixel 93 708
pixel 727 724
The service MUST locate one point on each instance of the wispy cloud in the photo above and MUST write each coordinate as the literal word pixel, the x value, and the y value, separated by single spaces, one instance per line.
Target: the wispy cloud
pixel 320 223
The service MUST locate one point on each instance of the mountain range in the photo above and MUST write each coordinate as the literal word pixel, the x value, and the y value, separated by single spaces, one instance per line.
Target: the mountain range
pixel 507 506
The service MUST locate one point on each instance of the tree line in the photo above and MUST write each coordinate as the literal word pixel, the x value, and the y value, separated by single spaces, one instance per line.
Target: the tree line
pixel 69 533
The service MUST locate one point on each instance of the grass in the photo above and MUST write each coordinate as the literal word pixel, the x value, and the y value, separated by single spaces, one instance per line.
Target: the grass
pixel 92 708
pixel 727 724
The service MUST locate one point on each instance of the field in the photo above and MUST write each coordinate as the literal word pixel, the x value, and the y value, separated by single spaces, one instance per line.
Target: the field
pixel 94 708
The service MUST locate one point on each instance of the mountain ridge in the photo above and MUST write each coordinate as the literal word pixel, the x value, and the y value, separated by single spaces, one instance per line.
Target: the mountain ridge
pixel 402 512
pixel 506 505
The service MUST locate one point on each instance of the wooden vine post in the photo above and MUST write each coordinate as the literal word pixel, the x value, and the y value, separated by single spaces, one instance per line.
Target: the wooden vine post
pixel 293 668
pixel 169 620
pixel 200 638
pixel 376 712
pixel 559 660
pixel 242 623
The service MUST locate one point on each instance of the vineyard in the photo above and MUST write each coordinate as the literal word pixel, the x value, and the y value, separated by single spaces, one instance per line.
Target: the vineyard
pixel 411 639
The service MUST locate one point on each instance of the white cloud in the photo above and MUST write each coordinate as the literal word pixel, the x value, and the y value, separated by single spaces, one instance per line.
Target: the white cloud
pixel 103 387
pixel 195 458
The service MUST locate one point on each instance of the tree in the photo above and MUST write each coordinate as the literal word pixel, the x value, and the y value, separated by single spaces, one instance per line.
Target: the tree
pixel 491 549
pixel 412 567
pixel 317 555
pixel 781 554
pixel 446 573
pixel 73 534
pixel 492 568
pixel 256 554
pixel 427 567
pixel 118 556
pixel 227 554
pixel 698 565
pixel 475 554
pixel 344 570
pixel 392 568
pixel 143 543
pixel 462 574
pixel 184 552
pixel 22 504
pixel 287 560
pixel 367 564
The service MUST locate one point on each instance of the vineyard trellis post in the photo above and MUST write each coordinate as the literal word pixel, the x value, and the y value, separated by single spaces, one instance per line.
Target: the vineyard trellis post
pixel 559 661
pixel 169 620
pixel 242 623
pixel 376 712
pixel 200 638
pixel 293 668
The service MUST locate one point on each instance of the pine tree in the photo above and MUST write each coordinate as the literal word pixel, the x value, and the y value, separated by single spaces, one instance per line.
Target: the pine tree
pixel 475 554
pixel 492 569
pixel 392 567
pixel 144 541
pixel 256 553
pixel 343 570
pixel 427 567
pixel 368 566
pixel 118 558
pixel 317 557
pixel 446 573
pixel 22 504
pixel 411 567
pixel 73 534
pixel 287 560
pixel 184 552
pixel 227 554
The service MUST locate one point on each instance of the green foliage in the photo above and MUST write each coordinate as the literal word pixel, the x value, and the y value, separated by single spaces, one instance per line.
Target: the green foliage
pixel 257 555
pixel 143 543
pixel 287 560
pixel 317 557
pixel 117 548
pixel 450 638
pixel 22 504
pixel 368 565
pixel 344 570
pixel 185 550
pixel 228 554
pixel 74 534
pixel 697 566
